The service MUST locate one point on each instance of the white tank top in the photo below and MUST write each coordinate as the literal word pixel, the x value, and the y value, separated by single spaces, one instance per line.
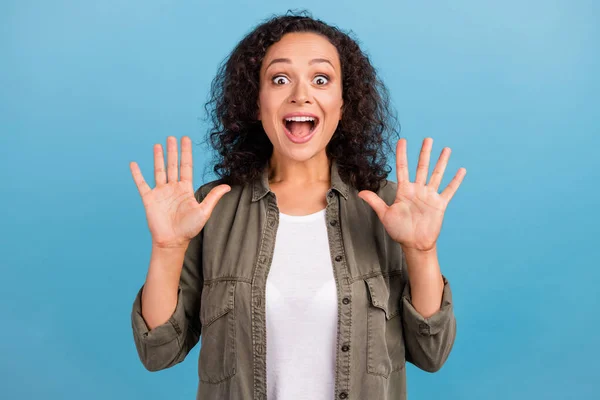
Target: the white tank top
pixel 301 312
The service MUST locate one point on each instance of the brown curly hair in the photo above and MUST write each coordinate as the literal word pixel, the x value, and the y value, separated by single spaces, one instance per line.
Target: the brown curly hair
pixel 241 144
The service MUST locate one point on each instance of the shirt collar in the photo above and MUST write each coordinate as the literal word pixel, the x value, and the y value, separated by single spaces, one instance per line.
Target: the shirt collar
pixel 260 186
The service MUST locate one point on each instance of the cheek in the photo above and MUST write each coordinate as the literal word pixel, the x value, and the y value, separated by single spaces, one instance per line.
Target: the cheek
pixel 330 99
pixel 333 106
pixel 268 104
pixel 267 112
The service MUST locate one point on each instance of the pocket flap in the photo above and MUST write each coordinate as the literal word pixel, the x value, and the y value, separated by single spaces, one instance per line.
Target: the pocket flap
pixel 217 300
pixel 379 294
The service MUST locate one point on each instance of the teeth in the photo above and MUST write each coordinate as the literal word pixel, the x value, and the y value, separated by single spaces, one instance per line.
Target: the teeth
pixel 300 119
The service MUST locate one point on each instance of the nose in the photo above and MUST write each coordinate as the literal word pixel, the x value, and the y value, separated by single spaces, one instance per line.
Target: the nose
pixel 300 94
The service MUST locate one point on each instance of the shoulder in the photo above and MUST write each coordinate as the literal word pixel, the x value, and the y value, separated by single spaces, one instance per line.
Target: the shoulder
pixel 204 189
pixel 235 194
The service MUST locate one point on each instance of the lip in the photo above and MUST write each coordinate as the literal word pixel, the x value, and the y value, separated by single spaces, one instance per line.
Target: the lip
pixel 300 114
pixel 306 138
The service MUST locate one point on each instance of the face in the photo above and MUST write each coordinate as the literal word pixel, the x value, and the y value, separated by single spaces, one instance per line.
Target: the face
pixel 300 79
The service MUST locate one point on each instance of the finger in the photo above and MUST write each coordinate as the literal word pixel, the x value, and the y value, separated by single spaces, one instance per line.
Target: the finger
pixel 213 197
pixel 138 178
pixel 401 162
pixel 186 159
pixel 440 167
pixel 452 187
pixel 377 204
pixel 160 178
pixel 172 161
pixel 423 165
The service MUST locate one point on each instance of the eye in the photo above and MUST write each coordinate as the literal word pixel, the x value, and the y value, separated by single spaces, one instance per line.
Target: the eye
pixel 277 79
pixel 321 78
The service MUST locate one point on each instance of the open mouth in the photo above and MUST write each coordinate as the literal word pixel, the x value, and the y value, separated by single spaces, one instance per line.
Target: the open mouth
pixel 300 127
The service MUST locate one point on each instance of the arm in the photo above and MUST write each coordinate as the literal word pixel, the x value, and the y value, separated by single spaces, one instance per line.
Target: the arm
pixel 428 317
pixel 165 313
pixel 412 215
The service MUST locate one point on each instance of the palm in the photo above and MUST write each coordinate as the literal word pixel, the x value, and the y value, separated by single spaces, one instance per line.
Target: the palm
pixel 415 218
pixel 174 215
pixel 172 212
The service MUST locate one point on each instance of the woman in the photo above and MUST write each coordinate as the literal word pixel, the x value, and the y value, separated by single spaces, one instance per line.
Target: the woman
pixel 316 277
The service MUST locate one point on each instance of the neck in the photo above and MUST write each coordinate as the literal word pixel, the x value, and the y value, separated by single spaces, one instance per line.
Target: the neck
pixel 287 171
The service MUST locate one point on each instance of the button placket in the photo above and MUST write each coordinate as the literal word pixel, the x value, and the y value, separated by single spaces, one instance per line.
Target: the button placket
pixel 337 251
pixel 263 264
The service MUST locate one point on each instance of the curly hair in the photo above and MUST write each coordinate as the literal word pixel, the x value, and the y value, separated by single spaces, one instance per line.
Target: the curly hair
pixel 242 146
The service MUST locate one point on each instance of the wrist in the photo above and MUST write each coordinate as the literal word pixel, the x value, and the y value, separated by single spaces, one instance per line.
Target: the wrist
pixel 411 251
pixel 171 247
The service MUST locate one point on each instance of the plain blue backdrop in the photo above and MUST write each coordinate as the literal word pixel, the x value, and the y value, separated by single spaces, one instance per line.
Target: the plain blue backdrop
pixel 511 87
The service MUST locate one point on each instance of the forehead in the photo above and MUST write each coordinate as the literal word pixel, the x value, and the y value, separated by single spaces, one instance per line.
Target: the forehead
pixel 300 48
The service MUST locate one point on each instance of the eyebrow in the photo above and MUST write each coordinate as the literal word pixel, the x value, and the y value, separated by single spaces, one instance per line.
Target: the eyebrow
pixel 311 62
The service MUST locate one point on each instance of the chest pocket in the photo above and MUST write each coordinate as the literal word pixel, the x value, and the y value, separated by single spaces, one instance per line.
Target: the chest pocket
pixel 218 356
pixel 385 341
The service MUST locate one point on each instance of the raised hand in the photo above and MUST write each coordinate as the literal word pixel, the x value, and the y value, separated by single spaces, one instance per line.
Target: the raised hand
pixel 415 218
pixel 174 215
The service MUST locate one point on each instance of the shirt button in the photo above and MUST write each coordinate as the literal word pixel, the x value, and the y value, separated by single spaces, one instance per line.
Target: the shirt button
pixel 338 258
pixel 271 222
pixel 346 300
pixel 333 223
pixel 345 348
pixel 343 395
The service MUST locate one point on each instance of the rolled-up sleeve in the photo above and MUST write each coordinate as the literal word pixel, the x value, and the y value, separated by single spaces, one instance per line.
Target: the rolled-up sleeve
pixel 160 347
pixel 428 340
pixel 168 344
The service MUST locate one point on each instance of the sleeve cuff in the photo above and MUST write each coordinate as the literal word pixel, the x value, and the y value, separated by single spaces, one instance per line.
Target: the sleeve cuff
pixel 165 333
pixel 435 323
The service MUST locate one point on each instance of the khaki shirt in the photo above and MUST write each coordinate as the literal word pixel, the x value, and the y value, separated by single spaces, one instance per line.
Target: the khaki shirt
pixel 221 298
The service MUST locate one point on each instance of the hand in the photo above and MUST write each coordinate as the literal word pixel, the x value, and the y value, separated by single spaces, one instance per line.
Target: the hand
pixel 174 215
pixel 415 219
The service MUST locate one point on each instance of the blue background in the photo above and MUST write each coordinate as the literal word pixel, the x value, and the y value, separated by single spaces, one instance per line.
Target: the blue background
pixel 511 87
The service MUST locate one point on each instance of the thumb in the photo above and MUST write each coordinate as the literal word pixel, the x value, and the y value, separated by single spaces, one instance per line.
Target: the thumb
pixel 212 198
pixel 376 202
